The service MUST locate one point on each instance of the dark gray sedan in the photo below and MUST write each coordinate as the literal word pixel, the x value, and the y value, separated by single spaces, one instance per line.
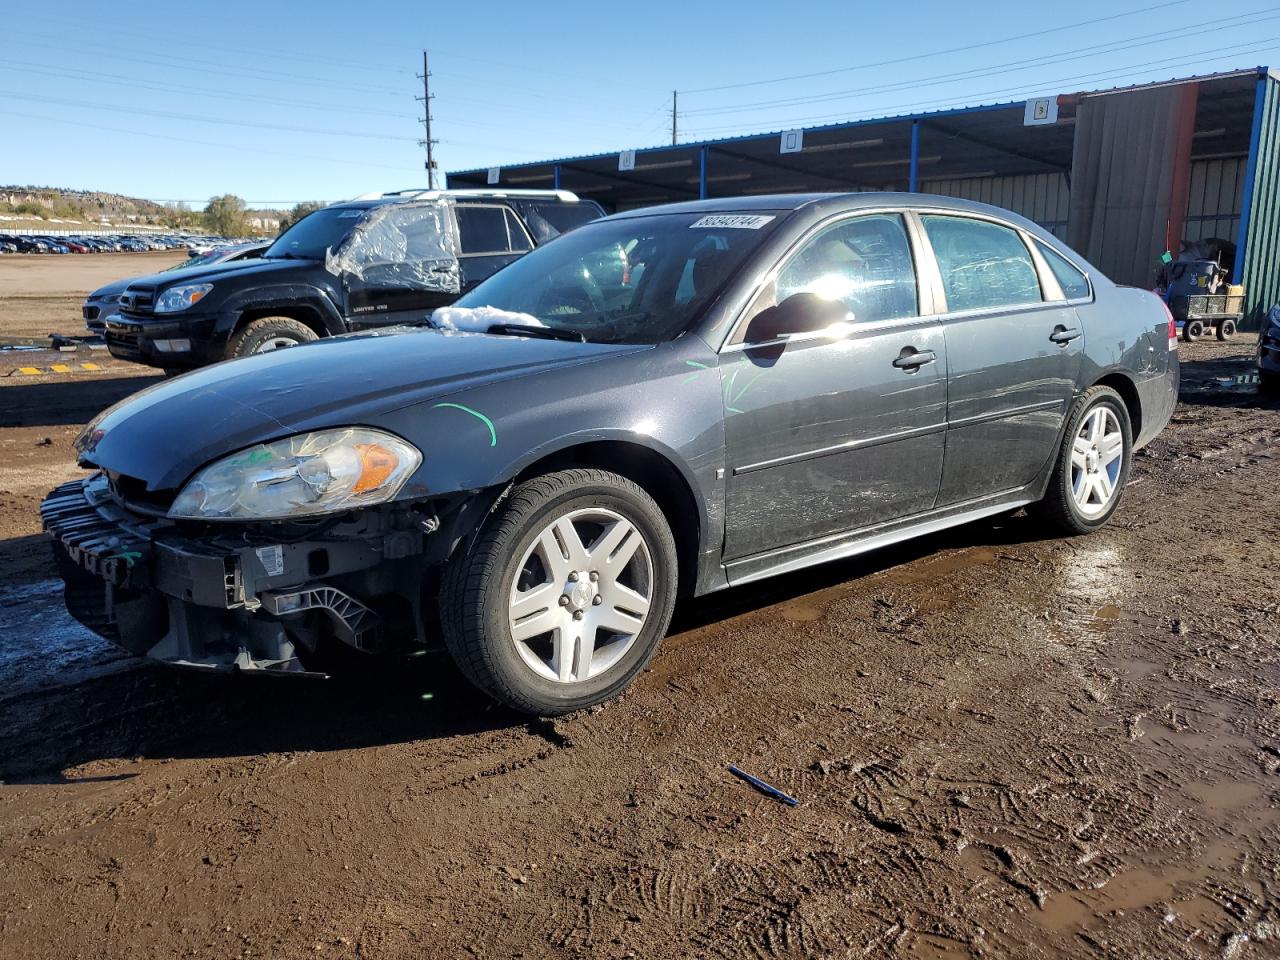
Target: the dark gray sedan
pixel 666 402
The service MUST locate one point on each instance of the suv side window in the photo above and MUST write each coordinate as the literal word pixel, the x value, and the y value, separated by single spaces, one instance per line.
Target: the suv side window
pixel 984 265
pixel 1074 284
pixel 489 230
pixel 864 262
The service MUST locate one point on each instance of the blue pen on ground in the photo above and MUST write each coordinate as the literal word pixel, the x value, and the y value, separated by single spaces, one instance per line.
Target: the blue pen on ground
pixel 767 789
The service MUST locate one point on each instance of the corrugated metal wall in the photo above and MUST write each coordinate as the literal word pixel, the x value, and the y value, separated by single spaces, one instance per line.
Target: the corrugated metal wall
pixel 1260 271
pixel 1213 202
pixel 1043 198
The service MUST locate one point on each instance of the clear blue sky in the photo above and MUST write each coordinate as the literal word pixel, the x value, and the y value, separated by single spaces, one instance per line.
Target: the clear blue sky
pixel 281 102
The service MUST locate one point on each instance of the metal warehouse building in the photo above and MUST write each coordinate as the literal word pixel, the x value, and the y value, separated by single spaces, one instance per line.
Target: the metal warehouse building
pixel 1121 175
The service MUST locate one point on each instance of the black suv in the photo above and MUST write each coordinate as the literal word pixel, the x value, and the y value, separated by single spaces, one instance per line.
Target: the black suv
pixel 378 260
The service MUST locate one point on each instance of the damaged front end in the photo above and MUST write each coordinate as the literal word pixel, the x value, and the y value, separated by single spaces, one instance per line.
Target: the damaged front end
pixel 255 597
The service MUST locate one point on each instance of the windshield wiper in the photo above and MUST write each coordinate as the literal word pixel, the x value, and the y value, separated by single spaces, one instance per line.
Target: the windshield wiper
pixel 529 330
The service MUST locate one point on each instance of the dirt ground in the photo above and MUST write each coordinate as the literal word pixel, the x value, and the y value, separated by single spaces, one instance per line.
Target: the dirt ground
pixel 42 294
pixel 1003 745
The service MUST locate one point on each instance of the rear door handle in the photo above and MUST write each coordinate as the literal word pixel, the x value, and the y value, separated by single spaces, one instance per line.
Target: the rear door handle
pixel 911 359
pixel 1064 335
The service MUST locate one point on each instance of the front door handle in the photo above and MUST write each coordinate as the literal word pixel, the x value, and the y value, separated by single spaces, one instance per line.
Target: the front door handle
pixel 911 359
pixel 1063 335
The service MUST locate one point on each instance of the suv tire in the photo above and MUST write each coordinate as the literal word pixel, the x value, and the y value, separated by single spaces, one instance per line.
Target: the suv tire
pixel 1083 492
pixel 266 334
pixel 613 550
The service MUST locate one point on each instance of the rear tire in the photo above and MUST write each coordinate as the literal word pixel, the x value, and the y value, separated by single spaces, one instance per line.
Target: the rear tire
pixel 1192 330
pixel 1092 467
pixel 1226 329
pixel 1268 383
pixel 266 334
pixel 613 555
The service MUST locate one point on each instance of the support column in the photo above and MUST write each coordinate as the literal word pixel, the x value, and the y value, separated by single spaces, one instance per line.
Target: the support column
pixel 557 176
pixel 702 173
pixel 1180 182
pixel 914 174
pixel 1251 173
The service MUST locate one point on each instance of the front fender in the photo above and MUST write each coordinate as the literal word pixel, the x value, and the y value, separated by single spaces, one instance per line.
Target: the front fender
pixel 665 399
pixel 321 301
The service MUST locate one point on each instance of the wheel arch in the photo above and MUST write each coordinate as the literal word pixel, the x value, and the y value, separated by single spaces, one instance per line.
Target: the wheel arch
pixel 305 314
pixel 1124 385
pixel 655 473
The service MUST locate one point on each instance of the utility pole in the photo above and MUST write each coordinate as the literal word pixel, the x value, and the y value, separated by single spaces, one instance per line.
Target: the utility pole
pixel 429 143
pixel 675 95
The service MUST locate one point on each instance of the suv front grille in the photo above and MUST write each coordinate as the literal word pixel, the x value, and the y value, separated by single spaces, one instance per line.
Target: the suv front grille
pixel 138 300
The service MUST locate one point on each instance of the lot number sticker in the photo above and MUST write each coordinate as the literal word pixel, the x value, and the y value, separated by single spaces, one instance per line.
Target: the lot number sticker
pixel 731 221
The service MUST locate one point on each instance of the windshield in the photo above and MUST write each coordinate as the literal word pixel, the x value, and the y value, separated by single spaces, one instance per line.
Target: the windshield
pixel 641 280
pixel 310 237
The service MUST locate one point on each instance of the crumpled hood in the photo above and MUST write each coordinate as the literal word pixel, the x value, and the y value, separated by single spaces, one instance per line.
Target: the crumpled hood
pixel 167 432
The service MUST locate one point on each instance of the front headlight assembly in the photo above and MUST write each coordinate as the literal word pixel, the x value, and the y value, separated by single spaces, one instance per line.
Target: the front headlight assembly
pixel 181 298
pixel 300 476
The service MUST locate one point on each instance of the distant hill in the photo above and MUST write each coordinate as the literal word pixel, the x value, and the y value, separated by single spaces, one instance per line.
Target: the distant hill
pixel 67 209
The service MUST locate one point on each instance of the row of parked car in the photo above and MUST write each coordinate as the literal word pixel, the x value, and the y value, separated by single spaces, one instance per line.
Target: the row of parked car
pixel 107 243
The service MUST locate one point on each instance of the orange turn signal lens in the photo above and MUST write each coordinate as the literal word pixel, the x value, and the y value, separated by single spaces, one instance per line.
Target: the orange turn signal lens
pixel 376 464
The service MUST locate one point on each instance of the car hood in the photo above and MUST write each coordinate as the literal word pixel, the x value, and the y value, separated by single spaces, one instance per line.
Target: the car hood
pixel 111 289
pixel 167 432
pixel 256 266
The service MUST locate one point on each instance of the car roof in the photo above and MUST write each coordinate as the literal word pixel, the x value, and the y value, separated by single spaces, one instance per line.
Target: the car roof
pixel 824 204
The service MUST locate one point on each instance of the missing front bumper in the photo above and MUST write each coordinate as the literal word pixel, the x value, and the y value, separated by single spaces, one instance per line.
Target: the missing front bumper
pixel 209 605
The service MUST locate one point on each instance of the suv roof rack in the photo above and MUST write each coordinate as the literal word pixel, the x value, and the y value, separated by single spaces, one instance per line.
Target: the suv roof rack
pixel 414 193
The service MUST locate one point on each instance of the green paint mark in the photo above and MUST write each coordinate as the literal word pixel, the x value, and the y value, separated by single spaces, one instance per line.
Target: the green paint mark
pixel 130 557
pixel 252 458
pixel 493 434
pixel 694 375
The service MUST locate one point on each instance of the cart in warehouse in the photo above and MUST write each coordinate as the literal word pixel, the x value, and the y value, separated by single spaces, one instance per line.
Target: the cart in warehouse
pixel 1197 312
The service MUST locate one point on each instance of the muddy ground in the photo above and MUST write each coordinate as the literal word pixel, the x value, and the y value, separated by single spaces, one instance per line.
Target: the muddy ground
pixel 1003 745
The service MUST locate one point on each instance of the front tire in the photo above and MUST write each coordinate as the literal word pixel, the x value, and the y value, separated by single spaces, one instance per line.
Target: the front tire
pixel 1226 329
pixel 1093 464
pixel 565 593
pixel 266 334
pixel 1192 330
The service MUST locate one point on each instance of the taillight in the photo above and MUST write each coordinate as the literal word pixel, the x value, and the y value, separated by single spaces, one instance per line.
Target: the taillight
pixel 1173 326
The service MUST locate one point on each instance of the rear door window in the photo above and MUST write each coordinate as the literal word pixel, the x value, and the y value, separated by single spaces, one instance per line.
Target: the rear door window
pixel 984 265
pixel 482 230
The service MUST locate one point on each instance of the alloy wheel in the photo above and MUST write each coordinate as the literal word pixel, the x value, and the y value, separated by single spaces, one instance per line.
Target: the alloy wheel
pixel 275 343
pixel 581 595
pixel 1097 456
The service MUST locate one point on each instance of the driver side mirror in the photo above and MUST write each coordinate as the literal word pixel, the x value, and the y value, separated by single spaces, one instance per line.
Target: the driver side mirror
pixel 799 313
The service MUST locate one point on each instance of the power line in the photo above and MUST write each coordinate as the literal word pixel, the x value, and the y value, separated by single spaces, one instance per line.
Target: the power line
pixel 1079 53
pixel 73 74
pixel 939 53
pixel 202 143
pixel 90 105
pixel 1256 46
pixel 210 67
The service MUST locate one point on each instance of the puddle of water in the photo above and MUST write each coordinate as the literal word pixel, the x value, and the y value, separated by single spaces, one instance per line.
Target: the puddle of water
pixel 42 646
pixel 1226 796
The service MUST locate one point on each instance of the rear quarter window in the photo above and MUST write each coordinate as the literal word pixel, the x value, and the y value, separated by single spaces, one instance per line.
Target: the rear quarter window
pixel 1074 284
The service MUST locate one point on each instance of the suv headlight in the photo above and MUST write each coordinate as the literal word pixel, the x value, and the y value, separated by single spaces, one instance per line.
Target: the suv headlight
pixel 181 298
pixel 300 476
